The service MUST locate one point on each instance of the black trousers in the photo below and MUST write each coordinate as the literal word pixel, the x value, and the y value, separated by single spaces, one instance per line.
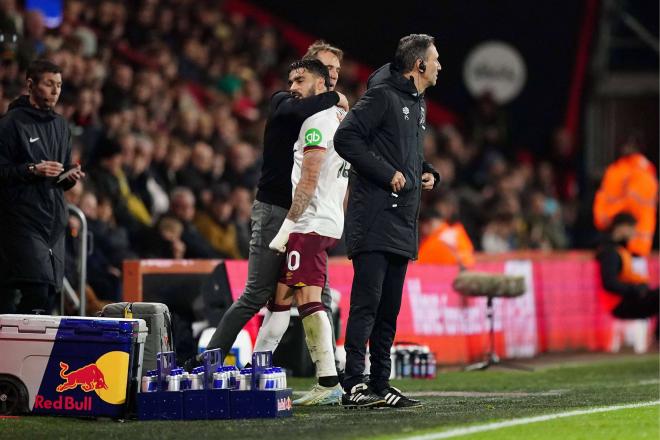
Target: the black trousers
pixel 633 307
pixel 375 303
pixel 25 298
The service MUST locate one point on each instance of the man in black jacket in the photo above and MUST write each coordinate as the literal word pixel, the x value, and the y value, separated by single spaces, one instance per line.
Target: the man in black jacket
pixel 286 115
pixel 382 138
pixel 35 148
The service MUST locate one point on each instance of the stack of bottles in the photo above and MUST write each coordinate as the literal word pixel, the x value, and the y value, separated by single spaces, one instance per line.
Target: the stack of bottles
pixel 412 361
pixel 207 392
pixel 228 377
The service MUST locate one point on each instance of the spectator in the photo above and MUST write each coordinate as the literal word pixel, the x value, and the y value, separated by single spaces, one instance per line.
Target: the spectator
pixel 499 234
pixel 544 227
pixel 215 224
pixel 110 181
pixel 182 207
pixel 242 165
pixel 165 240
pixel 199 175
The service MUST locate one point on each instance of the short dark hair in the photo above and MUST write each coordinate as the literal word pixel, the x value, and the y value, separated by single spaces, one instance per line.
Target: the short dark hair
pixel 623 218
pixel 410 49
pixel 39 67
pixel 313 66
pixel 320 46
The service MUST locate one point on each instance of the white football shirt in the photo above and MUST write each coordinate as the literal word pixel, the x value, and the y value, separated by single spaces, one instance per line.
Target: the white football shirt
pixel 325 213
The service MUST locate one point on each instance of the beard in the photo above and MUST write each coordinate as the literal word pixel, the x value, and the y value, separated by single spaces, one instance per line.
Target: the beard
pixel 305 93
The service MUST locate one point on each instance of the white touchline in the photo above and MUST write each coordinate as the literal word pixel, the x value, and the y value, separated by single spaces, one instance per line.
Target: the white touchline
pixel 524 421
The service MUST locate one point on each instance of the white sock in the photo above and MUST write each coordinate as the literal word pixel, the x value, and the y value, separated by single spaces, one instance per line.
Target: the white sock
pixel 272 330
pixel 318 336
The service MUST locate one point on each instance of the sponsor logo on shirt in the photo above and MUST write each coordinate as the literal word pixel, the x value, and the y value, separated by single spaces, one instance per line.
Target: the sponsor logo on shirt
pixel 313 137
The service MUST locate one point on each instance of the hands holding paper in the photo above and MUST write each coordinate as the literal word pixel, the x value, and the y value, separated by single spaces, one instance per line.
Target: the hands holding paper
pixel 73 174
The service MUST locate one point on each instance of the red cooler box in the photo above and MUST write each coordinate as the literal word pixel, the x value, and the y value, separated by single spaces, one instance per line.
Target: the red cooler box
pixel 70 365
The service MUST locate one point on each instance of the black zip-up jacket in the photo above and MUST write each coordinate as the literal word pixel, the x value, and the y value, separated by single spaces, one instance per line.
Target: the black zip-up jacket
pixel 285 117
pixel 383 133
pixel 610 267
pixel 33 213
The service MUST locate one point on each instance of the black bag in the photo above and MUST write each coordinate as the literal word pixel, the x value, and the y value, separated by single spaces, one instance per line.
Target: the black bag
pixel 159 323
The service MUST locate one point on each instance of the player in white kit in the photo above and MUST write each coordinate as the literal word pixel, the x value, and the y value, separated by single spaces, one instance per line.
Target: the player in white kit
pixel 313 225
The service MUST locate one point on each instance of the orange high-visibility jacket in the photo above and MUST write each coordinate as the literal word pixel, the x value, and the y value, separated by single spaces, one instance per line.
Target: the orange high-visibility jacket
pixel 447 244
pixel 630 184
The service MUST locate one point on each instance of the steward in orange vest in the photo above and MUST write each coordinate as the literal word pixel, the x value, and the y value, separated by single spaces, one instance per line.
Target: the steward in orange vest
pixel 626 293
pixel 445 240
pixel 630 184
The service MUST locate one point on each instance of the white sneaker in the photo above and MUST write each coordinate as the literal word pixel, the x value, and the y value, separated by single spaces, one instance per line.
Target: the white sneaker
pixel 320 395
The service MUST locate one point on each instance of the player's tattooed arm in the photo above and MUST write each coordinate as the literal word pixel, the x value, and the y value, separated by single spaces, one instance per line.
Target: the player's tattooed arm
pixel 311 169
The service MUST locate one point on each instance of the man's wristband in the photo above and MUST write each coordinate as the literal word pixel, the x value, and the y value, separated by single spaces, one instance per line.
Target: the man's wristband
pixel 32 169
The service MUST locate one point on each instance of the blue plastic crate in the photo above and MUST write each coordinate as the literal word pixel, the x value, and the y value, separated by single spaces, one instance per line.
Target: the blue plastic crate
pixel 194 405
pixel 160 405
pixel 218 404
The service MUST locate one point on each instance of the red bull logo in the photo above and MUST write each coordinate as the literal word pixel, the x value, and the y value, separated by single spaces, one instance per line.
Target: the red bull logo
pixel 66 403
pixel 107 377
pixel 89 378
pixel 284 404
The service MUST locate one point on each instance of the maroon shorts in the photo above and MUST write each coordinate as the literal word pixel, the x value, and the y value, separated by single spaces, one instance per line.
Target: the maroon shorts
pixel 306 260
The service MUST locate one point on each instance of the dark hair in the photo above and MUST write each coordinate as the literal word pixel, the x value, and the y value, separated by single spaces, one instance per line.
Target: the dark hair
pixel 39 67
pixel 633 142
pixel 623 218
pixel 313 66
pixel 320 46
pixel 410 49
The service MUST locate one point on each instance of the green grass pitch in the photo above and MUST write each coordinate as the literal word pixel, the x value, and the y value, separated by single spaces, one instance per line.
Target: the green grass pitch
pixel 453 401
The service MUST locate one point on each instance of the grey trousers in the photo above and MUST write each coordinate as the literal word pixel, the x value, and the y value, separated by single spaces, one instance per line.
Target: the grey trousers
pixel 264 270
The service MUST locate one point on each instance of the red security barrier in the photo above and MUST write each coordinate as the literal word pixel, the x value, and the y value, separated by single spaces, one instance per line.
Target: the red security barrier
pixel 560 310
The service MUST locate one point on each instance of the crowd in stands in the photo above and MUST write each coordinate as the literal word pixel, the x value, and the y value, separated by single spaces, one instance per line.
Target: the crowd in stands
pixel 167 101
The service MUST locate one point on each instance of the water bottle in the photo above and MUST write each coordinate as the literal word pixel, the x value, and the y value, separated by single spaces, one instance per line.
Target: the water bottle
pixel 264 378
pixel 186 381
pixel 424 362
pixel 197 378
pixel 150 382
pixel 220 379
pixel 431 367
pixel 174 381
pixel 280 376
pixel 406 367
pixel 232 373
pixel 246 379
pixel 416 363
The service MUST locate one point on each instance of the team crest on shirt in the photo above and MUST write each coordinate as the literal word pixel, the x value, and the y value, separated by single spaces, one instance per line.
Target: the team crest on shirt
pixel 406 112
pixel 313 137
